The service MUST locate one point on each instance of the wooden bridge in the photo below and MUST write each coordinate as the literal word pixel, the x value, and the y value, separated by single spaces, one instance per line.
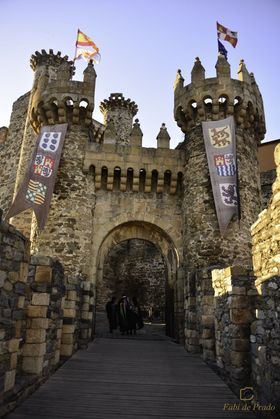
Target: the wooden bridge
pixel 132 377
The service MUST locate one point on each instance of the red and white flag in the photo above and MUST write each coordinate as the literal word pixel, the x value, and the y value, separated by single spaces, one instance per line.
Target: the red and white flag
pixel 226 34
pixel 86 48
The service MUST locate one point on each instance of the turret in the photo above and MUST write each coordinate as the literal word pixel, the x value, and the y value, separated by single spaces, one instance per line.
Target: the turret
pixel 163 138
pixel 136 134
pixel 219 97
pixel 206 99
pixel 55 97
pixel 119 113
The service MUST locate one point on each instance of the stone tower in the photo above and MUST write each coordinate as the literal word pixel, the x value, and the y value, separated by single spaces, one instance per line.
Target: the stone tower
pixel 56 99
pixel 118 115
pixel 204 248
pixel 214 99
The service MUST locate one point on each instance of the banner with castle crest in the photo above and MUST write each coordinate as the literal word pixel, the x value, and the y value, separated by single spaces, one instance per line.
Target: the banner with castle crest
pixel 220 145
pixel 37 187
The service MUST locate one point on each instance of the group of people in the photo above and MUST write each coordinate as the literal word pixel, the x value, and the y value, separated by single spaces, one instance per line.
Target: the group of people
pixel 125 314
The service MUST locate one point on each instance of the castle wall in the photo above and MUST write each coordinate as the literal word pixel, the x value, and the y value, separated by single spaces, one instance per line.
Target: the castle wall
pixel 10 150
pixel 265 344
pixel 267 180
pixel 31 295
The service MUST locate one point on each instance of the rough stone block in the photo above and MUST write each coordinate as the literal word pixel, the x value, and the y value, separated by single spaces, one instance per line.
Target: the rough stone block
pixel 67 339
pixel 40 323
pixel 68 312
pixel 13 360
pixel 40 299
pixel 36 335
pixel 66 350
pixel 36 311
pixel 72 295
pixel 34 349
pixel 241 345
pixel 10 378
pixel 20 301
pixel 43 274
pixel 33 365
pixel 23 271
pixel 68 328
pixel 69 304
pixel 14 276
pixel 238 301
pixel 207 321
pixel 56 357
pixel 240 315
pixel 8 286
pixel 13 345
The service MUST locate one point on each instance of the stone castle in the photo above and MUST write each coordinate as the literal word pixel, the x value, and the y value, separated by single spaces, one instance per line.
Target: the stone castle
pixel 112 193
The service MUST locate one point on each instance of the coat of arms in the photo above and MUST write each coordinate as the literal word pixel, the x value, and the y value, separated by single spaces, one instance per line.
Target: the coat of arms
pixel 36 192
pixel 228 194
pixel 225 164
pixel 50 141
pixel 220 137
pixel 43 165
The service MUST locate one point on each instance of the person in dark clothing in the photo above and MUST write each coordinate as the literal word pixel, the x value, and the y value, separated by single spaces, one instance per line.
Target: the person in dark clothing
pixel 138 314
pixel 112 315
pixel 132 318
pixel 123 314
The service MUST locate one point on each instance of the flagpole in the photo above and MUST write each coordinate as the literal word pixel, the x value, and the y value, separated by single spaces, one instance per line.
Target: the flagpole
pixel 76 45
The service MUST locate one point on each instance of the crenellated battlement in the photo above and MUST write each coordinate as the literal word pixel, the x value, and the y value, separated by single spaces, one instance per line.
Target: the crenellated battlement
pixel 49 59
pixel 135 169
pixel 219 97
pixel 56 98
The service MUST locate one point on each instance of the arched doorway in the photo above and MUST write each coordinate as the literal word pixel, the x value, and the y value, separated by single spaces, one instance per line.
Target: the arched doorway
pixel 128 241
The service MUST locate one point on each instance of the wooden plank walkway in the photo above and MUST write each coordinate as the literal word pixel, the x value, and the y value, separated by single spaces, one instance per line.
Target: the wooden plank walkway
pixel 131 378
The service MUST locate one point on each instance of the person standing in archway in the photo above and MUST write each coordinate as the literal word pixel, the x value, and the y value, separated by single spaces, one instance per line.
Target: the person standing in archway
pixel 112 315
pixel 123 311
pixel 138 314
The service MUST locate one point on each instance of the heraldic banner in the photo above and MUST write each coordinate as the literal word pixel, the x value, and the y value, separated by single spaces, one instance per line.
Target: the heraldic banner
pixel 220 145
pixel 37 187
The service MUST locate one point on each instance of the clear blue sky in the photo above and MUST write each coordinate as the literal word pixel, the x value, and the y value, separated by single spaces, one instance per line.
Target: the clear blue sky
pixel 142 44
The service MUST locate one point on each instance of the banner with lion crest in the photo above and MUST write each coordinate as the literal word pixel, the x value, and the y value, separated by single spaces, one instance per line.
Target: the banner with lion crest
pixel 220 145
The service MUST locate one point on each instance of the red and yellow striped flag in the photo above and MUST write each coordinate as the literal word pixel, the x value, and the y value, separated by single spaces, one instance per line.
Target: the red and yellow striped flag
pixel 86 48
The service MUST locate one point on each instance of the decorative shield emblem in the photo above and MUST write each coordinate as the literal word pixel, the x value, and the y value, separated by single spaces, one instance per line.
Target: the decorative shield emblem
pixel 225 164
pixel 43 165
pixel 36 192
pixel 228 194
pixel 50 141
pixel 220 137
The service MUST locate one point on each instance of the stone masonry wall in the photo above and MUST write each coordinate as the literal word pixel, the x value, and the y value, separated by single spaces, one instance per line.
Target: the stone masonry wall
pixel 199 314
pixel 32 297
pixel 203 243
pixel 14 259
pixel 265 331
pixel 10 150
pixel 68 233
pixel 267 179
pixel 135 268
pixel 234 312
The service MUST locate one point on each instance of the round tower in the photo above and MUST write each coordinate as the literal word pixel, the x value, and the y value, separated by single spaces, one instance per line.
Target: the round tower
pixel 57 99
pixel 118 115
pixel 210 100
pixel 45 66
